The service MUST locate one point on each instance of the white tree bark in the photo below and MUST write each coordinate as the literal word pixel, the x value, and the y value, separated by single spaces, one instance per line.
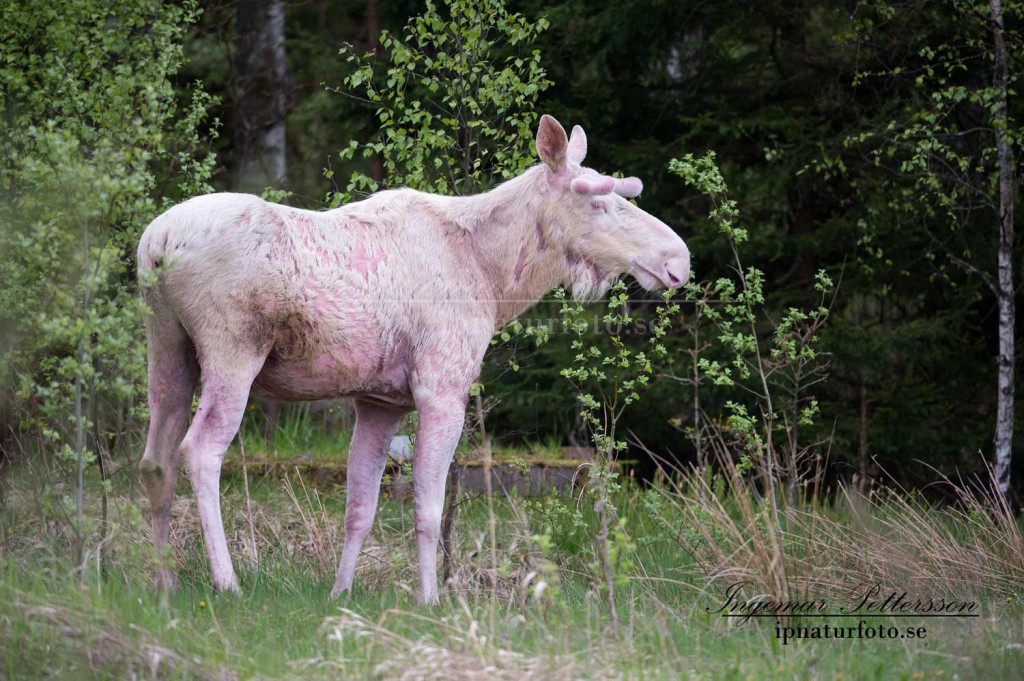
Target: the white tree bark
pixel 261 86
pixel 1003 440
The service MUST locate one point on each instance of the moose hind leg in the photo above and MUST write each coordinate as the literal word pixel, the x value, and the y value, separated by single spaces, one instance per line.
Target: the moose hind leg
pixel 173 372
pixel 375 426
pixel 221 407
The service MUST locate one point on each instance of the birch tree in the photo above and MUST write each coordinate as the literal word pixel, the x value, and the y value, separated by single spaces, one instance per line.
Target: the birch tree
pixel 953 142
pixel 1003 286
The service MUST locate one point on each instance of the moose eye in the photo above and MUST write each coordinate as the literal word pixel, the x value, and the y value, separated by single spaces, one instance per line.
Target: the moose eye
pixel 598 207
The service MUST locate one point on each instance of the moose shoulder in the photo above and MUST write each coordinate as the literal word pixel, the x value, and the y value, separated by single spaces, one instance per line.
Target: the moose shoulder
pixel 391 300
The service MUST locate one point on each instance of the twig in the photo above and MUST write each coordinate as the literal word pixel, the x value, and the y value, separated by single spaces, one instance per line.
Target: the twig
pixel 488 463
pixel 248 503
pixel 448 526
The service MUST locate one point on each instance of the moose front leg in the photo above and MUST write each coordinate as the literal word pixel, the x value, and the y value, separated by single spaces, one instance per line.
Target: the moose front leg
pixel 440 426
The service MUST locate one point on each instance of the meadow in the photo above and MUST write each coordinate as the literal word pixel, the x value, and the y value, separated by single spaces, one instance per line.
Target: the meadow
pixel 536 609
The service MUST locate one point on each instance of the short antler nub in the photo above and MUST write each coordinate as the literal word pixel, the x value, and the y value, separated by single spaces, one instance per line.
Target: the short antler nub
pixel 629 187
pixel 595 185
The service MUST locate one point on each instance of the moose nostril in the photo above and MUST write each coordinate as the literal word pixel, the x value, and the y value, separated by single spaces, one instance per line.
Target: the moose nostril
pixel 676 271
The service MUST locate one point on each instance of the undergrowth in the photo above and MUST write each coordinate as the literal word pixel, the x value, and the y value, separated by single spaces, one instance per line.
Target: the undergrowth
pixel 540 613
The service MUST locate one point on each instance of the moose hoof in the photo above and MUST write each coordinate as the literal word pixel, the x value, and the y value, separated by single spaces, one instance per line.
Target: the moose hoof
pixel 227 585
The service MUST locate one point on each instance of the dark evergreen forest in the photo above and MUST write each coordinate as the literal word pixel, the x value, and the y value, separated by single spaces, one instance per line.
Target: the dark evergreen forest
pixel 838 126
pixel 858 138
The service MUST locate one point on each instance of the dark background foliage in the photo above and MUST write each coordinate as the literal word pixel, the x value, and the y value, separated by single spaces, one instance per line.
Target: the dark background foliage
pixel 811 108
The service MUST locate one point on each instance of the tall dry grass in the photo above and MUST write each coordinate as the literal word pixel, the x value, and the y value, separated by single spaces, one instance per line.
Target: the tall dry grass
pixel 971 549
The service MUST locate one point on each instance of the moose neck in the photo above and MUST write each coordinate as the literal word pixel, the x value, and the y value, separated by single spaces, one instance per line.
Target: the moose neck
pixel 514 241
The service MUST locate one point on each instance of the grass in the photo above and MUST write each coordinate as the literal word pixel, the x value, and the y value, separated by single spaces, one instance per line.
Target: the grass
pixel 537 614
pixel 314 434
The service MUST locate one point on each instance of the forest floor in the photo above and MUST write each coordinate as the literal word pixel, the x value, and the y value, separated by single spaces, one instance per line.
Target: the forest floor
pixel 537 612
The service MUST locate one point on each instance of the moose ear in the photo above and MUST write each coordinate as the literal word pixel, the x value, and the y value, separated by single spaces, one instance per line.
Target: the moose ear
pixel 552 144
pixel 577 145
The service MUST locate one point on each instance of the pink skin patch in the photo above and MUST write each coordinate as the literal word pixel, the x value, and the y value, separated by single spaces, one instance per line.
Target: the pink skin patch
pixel 452 366
pixel 365 262
pixel 323 363
pixel 305 229
pixel 282 237
pixel 520 265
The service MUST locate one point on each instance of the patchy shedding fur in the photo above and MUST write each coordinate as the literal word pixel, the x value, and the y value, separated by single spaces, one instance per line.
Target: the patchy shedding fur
pixel 391 300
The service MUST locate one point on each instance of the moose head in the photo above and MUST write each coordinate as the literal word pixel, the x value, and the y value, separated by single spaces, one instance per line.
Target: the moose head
pixel 604 234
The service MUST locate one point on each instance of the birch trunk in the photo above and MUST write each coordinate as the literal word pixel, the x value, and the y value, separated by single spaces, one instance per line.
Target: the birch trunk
pixel 1003 440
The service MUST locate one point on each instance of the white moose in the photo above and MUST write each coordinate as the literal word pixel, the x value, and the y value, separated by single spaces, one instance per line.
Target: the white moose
pixel 391 300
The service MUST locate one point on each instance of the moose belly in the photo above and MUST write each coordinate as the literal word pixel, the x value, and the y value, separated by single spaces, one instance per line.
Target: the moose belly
pixel 335 373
